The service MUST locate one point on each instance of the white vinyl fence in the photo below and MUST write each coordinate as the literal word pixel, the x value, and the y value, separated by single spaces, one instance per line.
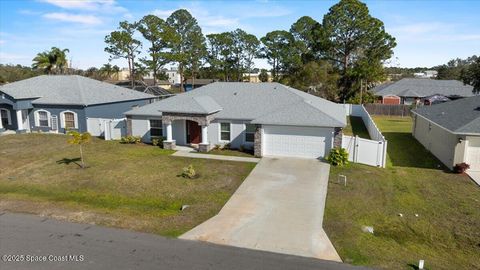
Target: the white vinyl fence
pixel 370 152
pixel 110 129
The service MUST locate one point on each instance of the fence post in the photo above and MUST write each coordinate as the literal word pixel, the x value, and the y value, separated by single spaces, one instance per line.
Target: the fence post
pixel 355 149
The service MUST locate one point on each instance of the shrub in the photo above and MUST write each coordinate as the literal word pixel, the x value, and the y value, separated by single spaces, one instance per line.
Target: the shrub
pixel 189 172
pixel 131 139
pixel 158 141
pixel 338 157
pixel 461 167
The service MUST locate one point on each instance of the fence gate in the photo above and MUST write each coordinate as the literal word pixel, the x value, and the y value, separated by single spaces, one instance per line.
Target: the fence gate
pixel 110 129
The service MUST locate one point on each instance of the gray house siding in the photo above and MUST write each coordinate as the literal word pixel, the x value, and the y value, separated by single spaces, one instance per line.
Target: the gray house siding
pixel 13 116
pixel 113 110
pixel 56 110
pixel 437 140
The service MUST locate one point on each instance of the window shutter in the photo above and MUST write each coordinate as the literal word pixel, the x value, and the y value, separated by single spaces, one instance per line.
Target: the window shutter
pixel 62 120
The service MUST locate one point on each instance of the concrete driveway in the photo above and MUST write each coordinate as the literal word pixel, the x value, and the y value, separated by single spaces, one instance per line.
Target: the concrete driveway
pixel 278 208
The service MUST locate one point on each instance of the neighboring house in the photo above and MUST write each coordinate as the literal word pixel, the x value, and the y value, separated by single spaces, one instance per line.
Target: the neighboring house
pixel 451 131
pixel 427 74
pixel 271 118
pixel 255 77
pixel 145 87
pixel 435 99
pixel 196 83
pixel 55 103
pixel 173 76
pixel 409 91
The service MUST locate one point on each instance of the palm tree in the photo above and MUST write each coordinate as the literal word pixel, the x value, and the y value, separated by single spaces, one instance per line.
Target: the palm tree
pixel 106 71
pixel 51 61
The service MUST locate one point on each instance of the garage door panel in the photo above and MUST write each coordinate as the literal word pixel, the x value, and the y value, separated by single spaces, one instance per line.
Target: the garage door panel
pixel 309 142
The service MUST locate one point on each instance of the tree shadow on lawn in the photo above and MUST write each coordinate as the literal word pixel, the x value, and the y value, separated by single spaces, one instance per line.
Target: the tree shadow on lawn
pixel 68 161
pixel 405 151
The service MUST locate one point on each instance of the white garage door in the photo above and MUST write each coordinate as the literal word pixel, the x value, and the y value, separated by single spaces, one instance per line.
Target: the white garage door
pixel 473 153
pixel 308 142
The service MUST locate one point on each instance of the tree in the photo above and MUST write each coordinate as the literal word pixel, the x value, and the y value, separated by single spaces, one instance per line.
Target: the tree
pixel 122 44
pixel 471 75
pixel 188 48
pixel 349 35
pixel 306 32
pixel 159 34
pixel 246 48
pixel 276 49
pixel 316 77
pixel 220 54
pixel 79 139
pixel 53 61
pixel 263 76
pixel 13 73
pixel 106 71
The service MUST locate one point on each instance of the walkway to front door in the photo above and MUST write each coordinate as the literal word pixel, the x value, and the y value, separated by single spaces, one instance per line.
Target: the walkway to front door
pixel 194 132
pixel 278 208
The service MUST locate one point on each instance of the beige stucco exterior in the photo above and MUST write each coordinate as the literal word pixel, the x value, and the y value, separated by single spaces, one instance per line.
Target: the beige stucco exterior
pixel 448 147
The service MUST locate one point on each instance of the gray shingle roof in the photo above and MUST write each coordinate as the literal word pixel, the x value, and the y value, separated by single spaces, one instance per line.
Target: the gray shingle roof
pixel 265 103
pixel 410 87
pixel 69 90
pixel 460 116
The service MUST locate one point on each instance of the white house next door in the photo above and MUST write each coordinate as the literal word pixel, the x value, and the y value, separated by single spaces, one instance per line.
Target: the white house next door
pixel 294 141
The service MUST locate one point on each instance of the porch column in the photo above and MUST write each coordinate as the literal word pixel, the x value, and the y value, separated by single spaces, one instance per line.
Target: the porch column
pixel 169 143
pixel 19 120
pixel 1 124
pixel 204 146
pixel 204 134
pixel 169 132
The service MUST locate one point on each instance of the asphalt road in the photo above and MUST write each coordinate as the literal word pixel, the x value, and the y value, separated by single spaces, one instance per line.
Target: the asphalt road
pixel 80 246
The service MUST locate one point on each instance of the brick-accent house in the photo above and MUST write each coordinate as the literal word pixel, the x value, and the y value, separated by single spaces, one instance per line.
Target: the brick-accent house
pixel 271 118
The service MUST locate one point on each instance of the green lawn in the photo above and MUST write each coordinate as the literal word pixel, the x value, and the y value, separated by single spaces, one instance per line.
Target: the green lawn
pixel 356 127
pixel 446 232
pixel 128 186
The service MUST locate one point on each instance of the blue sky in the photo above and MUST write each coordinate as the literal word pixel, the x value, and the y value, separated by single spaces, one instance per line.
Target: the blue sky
pixel 428 32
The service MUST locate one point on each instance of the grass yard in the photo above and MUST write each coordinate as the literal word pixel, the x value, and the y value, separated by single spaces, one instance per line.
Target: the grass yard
pixel 446 233
pixel 356 127
pixel 127 186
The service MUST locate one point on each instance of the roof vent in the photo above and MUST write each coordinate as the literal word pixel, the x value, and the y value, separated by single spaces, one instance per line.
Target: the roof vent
pixel 235 93
pixel 477 109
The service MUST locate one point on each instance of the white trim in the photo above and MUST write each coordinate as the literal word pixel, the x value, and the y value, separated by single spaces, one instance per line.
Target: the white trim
pixel 220 132
pixel 9 117
pixel 150 127
pixel 37 118
pixel 62 119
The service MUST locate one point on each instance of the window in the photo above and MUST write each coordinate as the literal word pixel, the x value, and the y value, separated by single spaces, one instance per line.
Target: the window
pixel 69 120
pixel 5 117
pixel 225 131
pixel 43 119
pixel 156 129
pixel 249 133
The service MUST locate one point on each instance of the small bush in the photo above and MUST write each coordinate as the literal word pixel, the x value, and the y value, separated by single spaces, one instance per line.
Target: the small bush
pixel 189 172
pixel 461 167
pixel 226 146
pixel 158 141
pixel 131 139
pixel 338 157
pixel 217 147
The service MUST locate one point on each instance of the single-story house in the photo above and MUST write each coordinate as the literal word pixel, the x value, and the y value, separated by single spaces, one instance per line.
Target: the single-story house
pixel 451 131
pixel 271 118
pixel 55 103
pixel 411 90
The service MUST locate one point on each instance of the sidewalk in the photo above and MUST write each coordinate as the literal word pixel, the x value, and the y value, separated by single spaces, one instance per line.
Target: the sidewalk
pixel 219 157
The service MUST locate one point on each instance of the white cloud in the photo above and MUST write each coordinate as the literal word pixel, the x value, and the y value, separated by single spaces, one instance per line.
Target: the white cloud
pixel 9 57
pixel 73 18
pixel 162 13
pixel 2 41
pixel 107 6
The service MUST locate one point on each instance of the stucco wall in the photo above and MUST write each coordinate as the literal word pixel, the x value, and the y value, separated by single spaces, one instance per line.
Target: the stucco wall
pixel 437 140
pixel 141 127
pixel 56 110
pixel 112 110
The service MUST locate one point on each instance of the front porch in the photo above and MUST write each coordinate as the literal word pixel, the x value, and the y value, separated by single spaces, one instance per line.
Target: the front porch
pixel 195 130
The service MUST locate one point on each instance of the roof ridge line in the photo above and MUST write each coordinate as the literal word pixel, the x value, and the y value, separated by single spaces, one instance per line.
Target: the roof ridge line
pixel 80 87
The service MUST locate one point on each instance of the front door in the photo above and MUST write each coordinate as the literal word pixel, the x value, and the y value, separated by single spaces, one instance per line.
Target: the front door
pixel 194 132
